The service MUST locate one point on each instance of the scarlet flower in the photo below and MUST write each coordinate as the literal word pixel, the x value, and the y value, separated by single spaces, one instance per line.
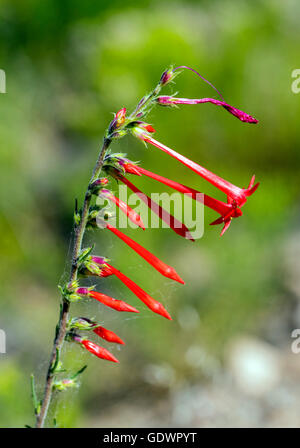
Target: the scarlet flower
pixel 165 216
pixel 108 335
pixel 98 351
pixel 132 215
pixel 227 211
pixel 239 195
pixel 171 101
pixel 159 265
pixel 152 304
pixel 118 305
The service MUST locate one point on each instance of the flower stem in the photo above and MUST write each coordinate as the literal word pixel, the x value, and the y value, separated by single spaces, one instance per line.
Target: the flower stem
pixel 63 317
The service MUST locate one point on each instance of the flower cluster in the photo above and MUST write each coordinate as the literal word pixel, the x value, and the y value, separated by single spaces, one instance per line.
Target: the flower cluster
pixel 119 167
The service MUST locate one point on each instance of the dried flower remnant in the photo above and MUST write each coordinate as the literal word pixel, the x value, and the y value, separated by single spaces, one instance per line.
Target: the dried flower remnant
pixel 171 101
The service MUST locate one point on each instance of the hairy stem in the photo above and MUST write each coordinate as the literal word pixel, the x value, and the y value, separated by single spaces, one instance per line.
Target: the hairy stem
pixel 61 327
pixel 143 108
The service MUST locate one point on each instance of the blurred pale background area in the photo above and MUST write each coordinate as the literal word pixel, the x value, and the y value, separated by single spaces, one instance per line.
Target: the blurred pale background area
pixel 226 359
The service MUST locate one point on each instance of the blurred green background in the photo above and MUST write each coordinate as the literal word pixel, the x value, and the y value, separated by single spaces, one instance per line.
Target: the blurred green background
pixel 226 358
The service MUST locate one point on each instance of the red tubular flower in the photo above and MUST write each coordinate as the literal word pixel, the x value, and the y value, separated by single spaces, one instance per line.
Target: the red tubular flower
pixel 108 335
pixel 132 215
pixel 98 351
pixel 152 304
pixel 159 265
pixel 227 211
pixel 170 101
pixel 115 304
pixel 165 216
pixel 239 195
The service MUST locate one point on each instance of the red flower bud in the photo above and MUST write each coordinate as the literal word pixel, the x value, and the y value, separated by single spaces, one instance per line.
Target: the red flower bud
pixel 108 335
pixel 115 304
pixel 120 116
pixel 168 76
pixel 118 120
pixel 152 304
pixel 159 265
pixel 98 351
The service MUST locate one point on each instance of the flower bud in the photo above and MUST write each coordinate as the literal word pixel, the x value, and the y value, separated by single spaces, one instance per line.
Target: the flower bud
pixel 92 265
pixel 120 117
pixel 82 323
pixel 119 120
pixel 167 76
pixel 67 383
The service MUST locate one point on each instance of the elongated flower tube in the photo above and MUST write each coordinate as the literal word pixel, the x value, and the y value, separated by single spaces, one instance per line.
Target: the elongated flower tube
pixel 171 101
pixel 159 265
pixel 108 335
pixel 151 303
pixel 98 351
pixel 177 226
pixel 239 195
pixel 226 210
pixel 132 215
pixel 118 305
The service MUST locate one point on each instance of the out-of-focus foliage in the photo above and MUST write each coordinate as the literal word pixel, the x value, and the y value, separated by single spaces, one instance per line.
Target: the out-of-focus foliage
pixel 69 65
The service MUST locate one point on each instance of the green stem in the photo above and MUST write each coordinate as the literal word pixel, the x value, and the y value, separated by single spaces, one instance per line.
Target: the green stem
pixel 142 108
pixel 63 318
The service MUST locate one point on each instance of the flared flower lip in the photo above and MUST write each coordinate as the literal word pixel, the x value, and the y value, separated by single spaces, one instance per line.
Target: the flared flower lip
pixel 237 194
pixel 226 210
